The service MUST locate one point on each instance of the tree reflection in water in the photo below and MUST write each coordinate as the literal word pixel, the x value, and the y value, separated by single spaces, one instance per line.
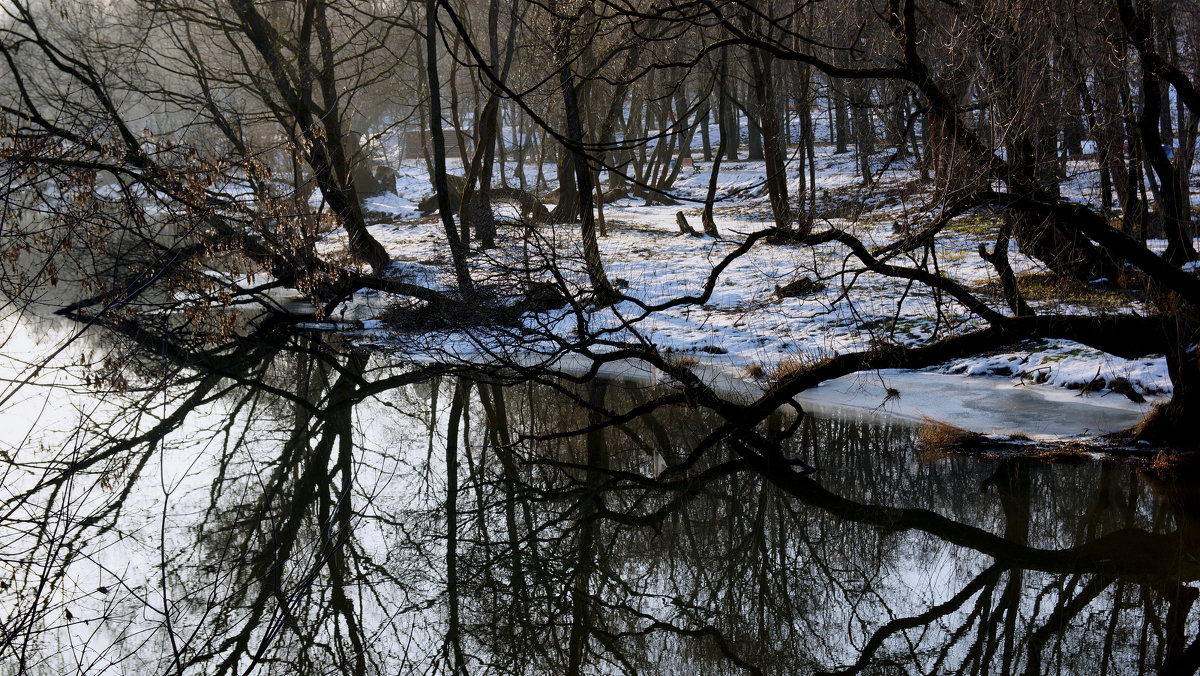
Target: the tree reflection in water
pixel 284 508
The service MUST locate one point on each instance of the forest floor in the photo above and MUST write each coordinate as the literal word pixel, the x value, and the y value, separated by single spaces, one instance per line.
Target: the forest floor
pixel 747 333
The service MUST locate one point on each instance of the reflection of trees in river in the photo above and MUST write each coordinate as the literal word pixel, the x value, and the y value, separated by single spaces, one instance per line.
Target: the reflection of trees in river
pixel 298 512
pixel 744 573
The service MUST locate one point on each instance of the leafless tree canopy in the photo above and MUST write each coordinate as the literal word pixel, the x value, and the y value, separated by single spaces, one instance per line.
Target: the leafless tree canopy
pixel 187 174
pixel 187 157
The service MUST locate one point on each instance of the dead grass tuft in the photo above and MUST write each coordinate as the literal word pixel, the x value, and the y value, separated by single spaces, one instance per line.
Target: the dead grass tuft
pixel 936 440
pixel 1065 454
pixel 755 371
pixel 798 363
pixel 1052 289
pixel 788 366
pixel 683 360
pixel 1170 462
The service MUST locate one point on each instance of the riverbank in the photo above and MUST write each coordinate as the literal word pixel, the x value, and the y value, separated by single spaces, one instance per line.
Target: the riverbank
pixel 780 307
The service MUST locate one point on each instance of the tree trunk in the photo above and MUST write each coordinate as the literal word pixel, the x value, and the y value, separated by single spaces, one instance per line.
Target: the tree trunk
pixel 1119 133
pixel 586 546
pixel 453 631
pixel 1178 420
pixel 1072 126
pixel 773 149
pixel 729 119
pixel 325 152
pixel 706 217
pixel 685 143
pixel 582 182
pixel 806 188
pixel 1174 207
pixel 841 124
pixel 754 135
pixel 567 209
pixel 475 206
pixel 457 252
pixel 864 130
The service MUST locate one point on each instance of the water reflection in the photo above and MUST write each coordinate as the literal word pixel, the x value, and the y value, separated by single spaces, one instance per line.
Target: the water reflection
pixel 281 507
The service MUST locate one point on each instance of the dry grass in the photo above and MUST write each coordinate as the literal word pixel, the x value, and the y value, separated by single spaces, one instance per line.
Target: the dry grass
pixel 798 363
pixel 1170 462
pixel 789 366
pixel 1066 454
pixel 754 371
pixel 936 440
pixel 1052 289
pixel 1049 291
pixel 683 360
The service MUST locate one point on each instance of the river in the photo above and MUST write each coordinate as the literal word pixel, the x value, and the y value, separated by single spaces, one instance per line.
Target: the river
pixel 290 505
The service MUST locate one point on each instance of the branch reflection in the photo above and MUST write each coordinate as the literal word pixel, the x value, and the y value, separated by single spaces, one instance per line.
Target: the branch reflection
pixel 286 507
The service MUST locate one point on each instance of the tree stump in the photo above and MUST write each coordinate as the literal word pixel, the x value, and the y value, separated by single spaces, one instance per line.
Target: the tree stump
pixel 801 287
pixel 685 228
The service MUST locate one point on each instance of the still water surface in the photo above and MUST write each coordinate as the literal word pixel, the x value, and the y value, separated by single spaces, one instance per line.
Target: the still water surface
pixel 287 507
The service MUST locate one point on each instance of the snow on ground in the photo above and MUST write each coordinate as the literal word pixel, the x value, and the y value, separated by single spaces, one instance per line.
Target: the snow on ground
pixel 390 204
pixel 745 332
